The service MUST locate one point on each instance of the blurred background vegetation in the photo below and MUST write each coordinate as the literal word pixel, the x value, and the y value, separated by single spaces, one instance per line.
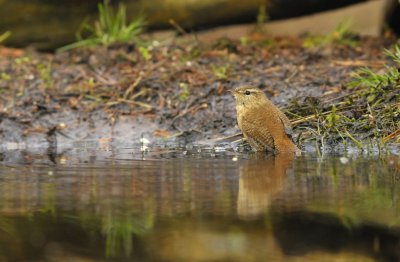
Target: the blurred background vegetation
pixel 48 24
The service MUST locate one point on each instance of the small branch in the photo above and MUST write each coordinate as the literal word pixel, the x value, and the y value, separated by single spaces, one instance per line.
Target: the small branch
pixel 132 87
pixel 391 136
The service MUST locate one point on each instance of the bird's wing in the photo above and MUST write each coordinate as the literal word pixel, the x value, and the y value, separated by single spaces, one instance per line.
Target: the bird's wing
pixel 286 123
pixel 260 137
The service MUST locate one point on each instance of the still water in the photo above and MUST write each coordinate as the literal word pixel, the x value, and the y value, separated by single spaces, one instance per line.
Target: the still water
pixel 198 205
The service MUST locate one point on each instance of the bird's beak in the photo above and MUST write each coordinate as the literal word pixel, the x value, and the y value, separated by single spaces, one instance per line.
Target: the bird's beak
pixel 232 91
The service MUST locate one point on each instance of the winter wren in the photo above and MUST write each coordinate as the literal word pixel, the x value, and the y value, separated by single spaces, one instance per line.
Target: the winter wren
pixel 264 126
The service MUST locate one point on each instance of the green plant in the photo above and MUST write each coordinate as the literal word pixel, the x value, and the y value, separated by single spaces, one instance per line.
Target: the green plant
pixel 184 95
pixel 4 36
pixel 145 52
pixel 262 15
pixel 341 35
pixel 111 27
pixel 369 109
pixel 22 60
pixel 5 76
pixel 394 55
pixel 382 93
pixel 45 72
pixel 220 72
pixel 377 87
pixel 332 118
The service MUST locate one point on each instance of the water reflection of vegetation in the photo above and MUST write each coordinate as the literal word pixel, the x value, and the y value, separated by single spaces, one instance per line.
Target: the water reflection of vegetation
pixel 120 229
pixel 122 210
pixel 360 190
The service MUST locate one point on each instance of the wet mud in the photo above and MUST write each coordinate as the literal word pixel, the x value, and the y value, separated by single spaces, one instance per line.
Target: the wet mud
pixel 175 92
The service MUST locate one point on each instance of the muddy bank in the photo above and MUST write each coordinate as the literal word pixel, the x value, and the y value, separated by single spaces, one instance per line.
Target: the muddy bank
pixel 175 92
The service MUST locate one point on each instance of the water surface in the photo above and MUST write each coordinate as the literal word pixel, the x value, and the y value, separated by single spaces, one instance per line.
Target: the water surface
pixel 198 205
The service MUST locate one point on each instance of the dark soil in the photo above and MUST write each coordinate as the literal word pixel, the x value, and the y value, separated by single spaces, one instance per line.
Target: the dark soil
pixel 173 91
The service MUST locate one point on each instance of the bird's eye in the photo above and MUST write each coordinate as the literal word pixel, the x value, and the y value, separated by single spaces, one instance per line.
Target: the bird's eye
pixel 247 93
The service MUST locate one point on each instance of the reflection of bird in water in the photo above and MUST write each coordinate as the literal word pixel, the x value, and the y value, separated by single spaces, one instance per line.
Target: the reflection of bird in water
pixel 261 178
pixel 264 126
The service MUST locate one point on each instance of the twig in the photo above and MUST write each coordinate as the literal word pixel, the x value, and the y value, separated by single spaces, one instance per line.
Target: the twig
pixel 358 63
pixel 391 136
pixel 132 87
pixel 104 80
pixel 148 106
pixel 141 92
pixel 185 112
pixel 181 30
pixel 177 27
pixel 227 137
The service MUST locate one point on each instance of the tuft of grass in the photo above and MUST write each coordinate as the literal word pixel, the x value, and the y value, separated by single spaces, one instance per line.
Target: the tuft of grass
pixel 381 92
pixel 341 35
pixel 111 27
pixel 379 87
pixel 369 110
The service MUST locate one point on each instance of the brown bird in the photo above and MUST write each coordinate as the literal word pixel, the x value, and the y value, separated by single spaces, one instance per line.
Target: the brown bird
pixel 264 126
